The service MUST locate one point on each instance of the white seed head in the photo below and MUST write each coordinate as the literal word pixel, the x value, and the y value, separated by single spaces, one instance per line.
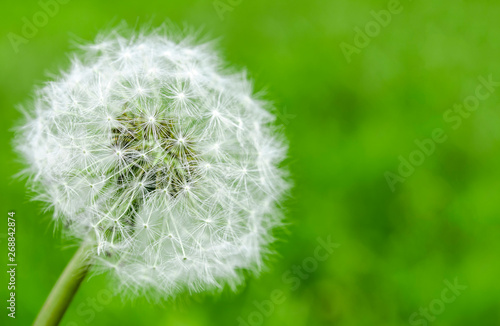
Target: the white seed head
pixel 147 148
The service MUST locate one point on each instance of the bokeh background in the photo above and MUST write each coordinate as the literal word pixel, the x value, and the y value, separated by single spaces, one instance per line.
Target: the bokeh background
pixel 347 122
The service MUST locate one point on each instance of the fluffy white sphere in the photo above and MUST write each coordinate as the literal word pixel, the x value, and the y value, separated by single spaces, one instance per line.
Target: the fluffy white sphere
pixel 148 149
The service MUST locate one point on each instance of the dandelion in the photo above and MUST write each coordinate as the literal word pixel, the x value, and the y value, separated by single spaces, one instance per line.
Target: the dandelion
pixel 163 164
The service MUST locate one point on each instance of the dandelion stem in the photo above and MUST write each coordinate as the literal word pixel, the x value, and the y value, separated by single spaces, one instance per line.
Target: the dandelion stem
pixel 64 290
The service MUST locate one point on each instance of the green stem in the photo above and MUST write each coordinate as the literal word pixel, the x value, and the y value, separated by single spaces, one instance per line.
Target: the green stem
pixel 64 290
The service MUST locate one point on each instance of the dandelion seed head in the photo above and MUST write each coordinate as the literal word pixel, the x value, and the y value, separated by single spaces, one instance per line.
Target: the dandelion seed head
pixel 148 148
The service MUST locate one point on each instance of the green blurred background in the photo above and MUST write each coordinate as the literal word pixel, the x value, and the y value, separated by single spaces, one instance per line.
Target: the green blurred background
pixel 347 123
